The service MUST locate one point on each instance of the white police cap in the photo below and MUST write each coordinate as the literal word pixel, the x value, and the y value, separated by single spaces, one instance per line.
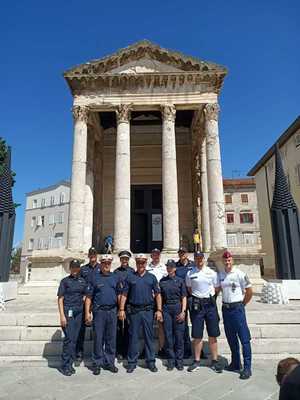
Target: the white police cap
pixel 141 256
pixel 106 257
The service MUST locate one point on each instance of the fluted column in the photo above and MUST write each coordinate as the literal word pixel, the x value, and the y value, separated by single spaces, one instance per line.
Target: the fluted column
pixel 122 180
pixel 169 179
pixel 214 178
pixel 205 223
pixel 89 193
pixel 78 180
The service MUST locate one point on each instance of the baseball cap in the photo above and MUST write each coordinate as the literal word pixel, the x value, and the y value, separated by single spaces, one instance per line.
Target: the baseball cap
pixel 227 254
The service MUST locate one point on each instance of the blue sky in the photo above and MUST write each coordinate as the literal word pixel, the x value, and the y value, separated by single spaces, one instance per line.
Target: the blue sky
pixel 258 41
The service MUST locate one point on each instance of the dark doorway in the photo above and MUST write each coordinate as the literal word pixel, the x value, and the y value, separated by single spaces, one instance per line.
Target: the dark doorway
pixel 146 218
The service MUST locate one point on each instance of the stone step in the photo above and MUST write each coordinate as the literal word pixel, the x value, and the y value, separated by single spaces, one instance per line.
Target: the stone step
pixel 55 334
pixel 257 317
pixel 23 348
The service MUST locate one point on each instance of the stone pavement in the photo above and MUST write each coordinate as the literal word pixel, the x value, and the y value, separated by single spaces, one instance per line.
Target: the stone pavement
pixel 43 383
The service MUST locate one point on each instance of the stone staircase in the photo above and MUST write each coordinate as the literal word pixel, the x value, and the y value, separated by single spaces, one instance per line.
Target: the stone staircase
pixel 30 332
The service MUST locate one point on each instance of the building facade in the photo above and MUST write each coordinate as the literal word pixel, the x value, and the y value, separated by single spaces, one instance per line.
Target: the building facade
pixel 264 173
pixel 146 165
pixel 45 221
pixel 242 220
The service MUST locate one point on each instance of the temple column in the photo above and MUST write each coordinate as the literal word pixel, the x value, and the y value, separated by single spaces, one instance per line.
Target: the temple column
pixel 122 180
pixel 169 179
pixel 214 178
pixel 205 224
pixel 89 193
pixel 78 180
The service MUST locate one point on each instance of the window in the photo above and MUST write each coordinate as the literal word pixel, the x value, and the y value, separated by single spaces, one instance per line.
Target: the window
pixel 30 244
pixel 62 198
pixel 52 201
pixel 40 220
pixel 228 199
pixel 51 219
pixel 33 222
pixel 34 203
pixel 43 220
pixel 43 203
pixel 40 243
pixel 297 138
pixel 230 218
pixel 59 239
pixel 244 198
pixel 231 240
pixel 249 238
pixel 60 218
pixel 246 218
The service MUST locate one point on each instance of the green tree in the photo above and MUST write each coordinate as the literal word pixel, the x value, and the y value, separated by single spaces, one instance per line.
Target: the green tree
pixel 3 153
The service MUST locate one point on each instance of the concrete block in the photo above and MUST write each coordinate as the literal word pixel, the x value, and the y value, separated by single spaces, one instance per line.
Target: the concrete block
pixel 9 290
pixel 11 332
pixel 8 319
pixel 280 331
pixel 38 319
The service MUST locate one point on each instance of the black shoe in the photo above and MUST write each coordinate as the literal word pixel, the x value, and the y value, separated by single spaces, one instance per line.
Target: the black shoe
pixel 245 374
pixel 232 368
pixel 130 370
pixel 73 370
pixel 170 367
pixel 153 368
pixel 65 372
pixel 78 359
pixel 194 367
pixel 111 368
pixel 179 367
pixel 215 366
pixel 97 370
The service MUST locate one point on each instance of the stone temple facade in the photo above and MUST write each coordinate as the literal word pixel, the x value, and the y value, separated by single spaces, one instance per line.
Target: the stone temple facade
pixel 146 155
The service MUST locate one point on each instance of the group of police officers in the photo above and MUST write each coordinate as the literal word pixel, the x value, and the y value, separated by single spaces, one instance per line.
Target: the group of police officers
pixel 122 304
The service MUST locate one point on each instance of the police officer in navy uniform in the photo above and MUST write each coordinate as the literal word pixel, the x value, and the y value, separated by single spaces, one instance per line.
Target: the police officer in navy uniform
pixel 141 290
pixel 201 282
pixel 122 326
pixel 71 295
pixel 103 292
pixel 85 272
pixel 183 265
pixel 174 300
pixel 236 293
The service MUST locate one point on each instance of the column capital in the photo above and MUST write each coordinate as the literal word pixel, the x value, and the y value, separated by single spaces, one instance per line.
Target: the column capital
pixel 211 111
pixel 123 112
pixel 80 113
pixel 168 112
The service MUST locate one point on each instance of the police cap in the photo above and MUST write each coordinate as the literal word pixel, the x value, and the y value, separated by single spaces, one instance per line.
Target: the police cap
pixel 182 250
pixel 199 254
pixel 124 253
pixel 106 257
pixel 74 263
pixel 171 263
pixel 155 251
pixel 92 252
pixel 227 254
pixel 141 256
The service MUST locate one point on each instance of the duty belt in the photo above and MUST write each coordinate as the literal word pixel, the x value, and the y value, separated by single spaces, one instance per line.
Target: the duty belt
pixel 204 300
pixel 232 305
pixel 104 307
pixel 141 307
pixel 172 302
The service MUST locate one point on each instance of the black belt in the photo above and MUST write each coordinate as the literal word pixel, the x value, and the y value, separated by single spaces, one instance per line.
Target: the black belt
pixel 202 300
pixel 141 307
pixel 232 305
pixel 104 307
pixel 172 302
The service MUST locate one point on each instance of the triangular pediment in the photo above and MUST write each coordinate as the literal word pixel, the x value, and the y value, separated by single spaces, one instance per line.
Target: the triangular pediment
pixel 142 58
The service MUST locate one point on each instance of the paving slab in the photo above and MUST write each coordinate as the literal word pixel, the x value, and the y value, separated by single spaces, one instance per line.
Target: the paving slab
pixel 43 383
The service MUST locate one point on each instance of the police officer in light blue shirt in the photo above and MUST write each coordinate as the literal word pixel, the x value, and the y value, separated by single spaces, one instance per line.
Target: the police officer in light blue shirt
pixel 141 290
pixel 71 295
pixel 236 293
pixel 103 293
pixel 201 282
pixel 85 272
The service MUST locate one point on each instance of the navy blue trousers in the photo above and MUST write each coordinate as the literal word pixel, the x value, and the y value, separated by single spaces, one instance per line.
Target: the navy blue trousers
pixel 137 321
pixel 105 331
pixel 236 328
pixel 71 332
pixel 174 334
pixel 81 336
